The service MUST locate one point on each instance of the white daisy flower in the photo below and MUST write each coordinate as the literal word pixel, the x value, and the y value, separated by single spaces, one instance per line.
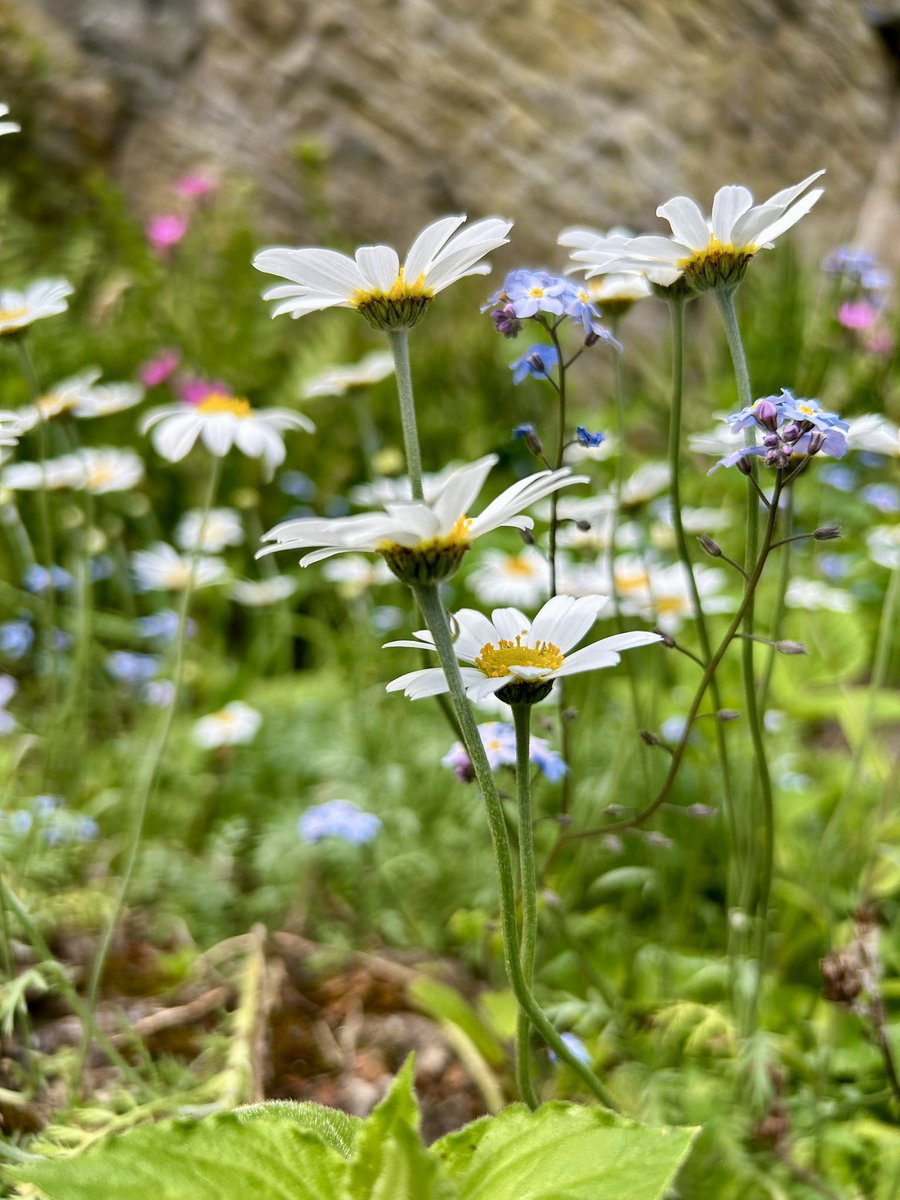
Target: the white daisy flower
pixel 261 593
pixel 109 469
pixel 162 569
pixel 811 594
pixel 884 545
pixel 335 381
pixel 510 652
pixel 875 433
pixel 662 593
pixel 223 527
pixel 355 574
pixel 709 252
pixel 80 396
pixel 222 420
pixel 236 724
pixel 617 291
pixel 45 298
pixel 646 482
pixel 8 126
pixel 63 472
pixel 373 282
pixel 521 579
pixel 423 539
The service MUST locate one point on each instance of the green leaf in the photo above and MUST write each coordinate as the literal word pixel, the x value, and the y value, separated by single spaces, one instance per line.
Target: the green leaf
pixel 229 1155
pixel 331 1125
pixel 563 1152
pixel 447 1004
pixel 390 1162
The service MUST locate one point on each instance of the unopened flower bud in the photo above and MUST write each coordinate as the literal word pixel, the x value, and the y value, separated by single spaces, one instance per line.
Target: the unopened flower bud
pixel 712 548
pixel 744 466
pixel 786 647
pixel 791 432
pixel 827 533
pixel 727 714
pixel 841 977
pixel 771 439
pixel 649 737
pixel 591 338
pixel 700 811
pixel 570 714
pixel 666 638
pixel 583 525
pixel 528 435
pixel 816 442
pixel 766 413
pixel 527 536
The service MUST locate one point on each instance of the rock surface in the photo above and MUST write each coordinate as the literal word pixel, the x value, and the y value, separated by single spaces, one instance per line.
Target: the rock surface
pixel 362 119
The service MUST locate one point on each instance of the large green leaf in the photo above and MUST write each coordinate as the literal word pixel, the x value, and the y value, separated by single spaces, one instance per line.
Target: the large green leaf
pixel 219 1158
pixel 390 1161
pixel 563 1152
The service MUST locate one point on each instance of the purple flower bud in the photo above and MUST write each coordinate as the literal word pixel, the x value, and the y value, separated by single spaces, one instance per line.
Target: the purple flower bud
pixel 816 442
pixel 744 466
pixel 771 439
pixel 786 647
pixel 827 533
pixel 767 414
pixel 712 548
pixel 791 432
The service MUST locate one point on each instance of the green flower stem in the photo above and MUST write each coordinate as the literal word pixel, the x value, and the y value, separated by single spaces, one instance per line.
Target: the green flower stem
pixel 399 339
pixel 725 300
pixel 711 668
pixel 565 740
pixel 429 600
pixel 147 783
pixel 676 309
pixel 47 542
pixel 887 626
pixel 630 669
pixel 784 577
pixel 528 885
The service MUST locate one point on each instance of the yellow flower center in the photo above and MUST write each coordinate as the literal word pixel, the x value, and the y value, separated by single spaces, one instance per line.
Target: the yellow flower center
pixel 634 582
pixel 719 264
pixel 671 605
pixel 536 292
pixel 806 408
pixel 53 404
pixel 519 565
pixel 100 476
pixel 12 314
pixel 399 291
pixel 495 661
pixel 218 402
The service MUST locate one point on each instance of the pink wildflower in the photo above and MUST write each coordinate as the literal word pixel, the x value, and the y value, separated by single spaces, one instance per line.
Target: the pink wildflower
pixel 194 185
pixel 157 370
pixel 881 343
pixel 166 230
pixel 857 314
pixel 195 391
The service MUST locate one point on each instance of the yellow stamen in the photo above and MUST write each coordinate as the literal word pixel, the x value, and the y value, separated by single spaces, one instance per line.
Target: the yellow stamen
pixel 219 402
pixel 12 314
pixel 100 476
pixel 634 582
pixel 519 565
pixel 400 290
pixel 495 661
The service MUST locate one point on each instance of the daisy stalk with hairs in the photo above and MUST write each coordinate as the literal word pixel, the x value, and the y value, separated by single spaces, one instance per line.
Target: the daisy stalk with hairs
pixel 424 542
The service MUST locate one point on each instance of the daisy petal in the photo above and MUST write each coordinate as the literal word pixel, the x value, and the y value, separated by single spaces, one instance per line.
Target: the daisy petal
pixel 687 221
pixel 729 204
pixel 380 266
pixel 423 250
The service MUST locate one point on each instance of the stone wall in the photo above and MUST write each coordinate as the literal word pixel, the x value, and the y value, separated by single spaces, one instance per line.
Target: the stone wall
pixel 384 113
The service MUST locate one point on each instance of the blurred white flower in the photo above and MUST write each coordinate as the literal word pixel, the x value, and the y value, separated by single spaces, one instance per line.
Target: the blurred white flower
pixel 236 724
pixel 223 527
pixel 718 442
pixel 811 594
pixel 45 298
pixel 222 420
pixel 355 574
pixel 387 295
pixel 260 593
pixel 335 381
pixel 874 433
pixel 7 126
pixel 80 396
pixel 396 489
pixel 519 579
pixel 663 592
pixel 884 545
pixel 108 469
pixel 162 568
pixel 64 472
pixel 646 482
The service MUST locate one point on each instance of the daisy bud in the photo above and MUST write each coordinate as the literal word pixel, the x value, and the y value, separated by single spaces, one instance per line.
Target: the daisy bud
pixel 827 533
pixel 712 548
pixel 786 647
